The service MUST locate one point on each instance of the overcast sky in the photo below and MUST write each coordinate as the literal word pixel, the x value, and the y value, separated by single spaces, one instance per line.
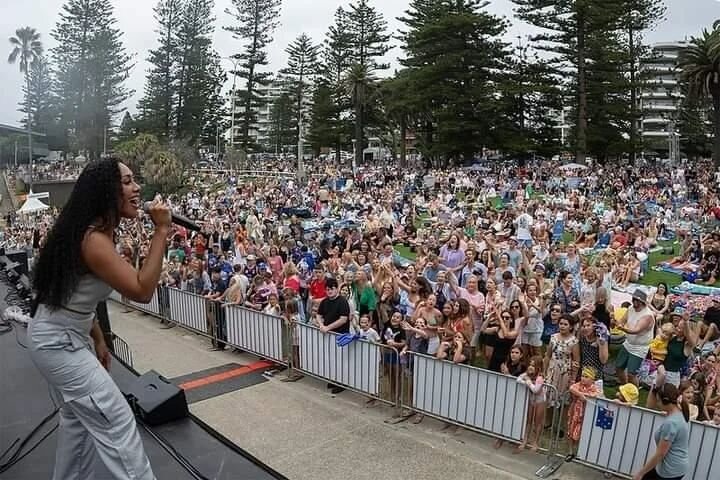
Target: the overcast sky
pixel 135 18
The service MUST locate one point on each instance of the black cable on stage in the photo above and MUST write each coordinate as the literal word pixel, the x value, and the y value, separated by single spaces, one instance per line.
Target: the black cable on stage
pixel 16 457
pixel 177 456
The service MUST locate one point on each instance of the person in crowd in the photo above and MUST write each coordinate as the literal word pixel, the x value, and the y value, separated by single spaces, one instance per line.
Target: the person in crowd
pixel 638 326
pixel 592 347
pixel 537 403
pixel 580 392
pixel 561 358
pixel 672 438
pixel 628 394
pixel 333 315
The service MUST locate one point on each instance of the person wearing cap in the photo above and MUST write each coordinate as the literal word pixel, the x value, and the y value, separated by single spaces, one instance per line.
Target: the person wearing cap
pixel 638 327
pixel 628 394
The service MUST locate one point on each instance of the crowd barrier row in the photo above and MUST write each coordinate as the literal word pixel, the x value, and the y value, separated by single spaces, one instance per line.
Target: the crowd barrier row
pixel 623 444
pixel 473 398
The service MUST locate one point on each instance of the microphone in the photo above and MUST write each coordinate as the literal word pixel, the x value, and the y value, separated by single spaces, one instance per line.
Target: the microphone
pixel 176 219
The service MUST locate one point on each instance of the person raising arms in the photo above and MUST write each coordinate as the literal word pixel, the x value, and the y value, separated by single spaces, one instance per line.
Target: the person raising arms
pixel 78 268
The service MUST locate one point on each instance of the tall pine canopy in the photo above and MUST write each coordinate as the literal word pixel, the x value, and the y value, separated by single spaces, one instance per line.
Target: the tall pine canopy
pixel 91 67
pixel 453 56
pixel 254 23
pixel 157 106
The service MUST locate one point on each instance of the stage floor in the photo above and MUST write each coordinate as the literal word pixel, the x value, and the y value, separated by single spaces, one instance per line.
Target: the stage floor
pixel 25 401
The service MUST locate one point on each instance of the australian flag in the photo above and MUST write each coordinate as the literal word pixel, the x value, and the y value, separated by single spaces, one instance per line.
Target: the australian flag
pixel 605 418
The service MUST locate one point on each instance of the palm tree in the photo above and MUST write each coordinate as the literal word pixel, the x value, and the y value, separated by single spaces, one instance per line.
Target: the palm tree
pixel 27 50
pixel 360 82
pixel 700 67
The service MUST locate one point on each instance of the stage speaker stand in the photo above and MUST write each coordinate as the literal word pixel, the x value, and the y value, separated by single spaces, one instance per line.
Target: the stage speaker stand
pixel 156 400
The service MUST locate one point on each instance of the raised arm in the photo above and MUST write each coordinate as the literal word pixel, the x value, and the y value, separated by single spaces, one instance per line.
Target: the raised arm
pixel 101 257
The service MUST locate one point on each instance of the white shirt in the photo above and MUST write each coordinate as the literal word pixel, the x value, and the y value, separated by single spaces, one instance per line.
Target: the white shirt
pixel 638 344
pixel 524 224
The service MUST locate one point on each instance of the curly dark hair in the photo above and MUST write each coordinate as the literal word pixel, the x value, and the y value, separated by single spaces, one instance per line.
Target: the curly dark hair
pixel 93 202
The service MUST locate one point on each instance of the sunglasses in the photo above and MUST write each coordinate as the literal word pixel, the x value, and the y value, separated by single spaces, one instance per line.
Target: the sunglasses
pixel 506 317
pixel 556 310
pixel 515 306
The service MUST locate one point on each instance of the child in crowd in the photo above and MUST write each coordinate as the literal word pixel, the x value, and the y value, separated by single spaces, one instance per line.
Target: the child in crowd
pixel 628 394
pixel 291 321
pixel 537 403
pixel 715 420
pixel 367 332
pixel 416 342
pixel 515 363
pixel 652 371
pixel 580 391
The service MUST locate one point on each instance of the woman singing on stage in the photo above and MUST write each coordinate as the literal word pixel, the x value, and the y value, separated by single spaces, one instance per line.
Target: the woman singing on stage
pixel 78 267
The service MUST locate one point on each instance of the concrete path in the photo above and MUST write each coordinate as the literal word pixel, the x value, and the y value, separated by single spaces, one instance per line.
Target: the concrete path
pixel 304 432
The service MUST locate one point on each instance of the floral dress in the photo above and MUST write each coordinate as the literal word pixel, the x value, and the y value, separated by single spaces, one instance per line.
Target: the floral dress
pixel 559 370
pixel 577 410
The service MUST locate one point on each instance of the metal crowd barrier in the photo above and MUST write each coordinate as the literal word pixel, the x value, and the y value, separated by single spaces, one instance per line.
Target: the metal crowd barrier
pixel 189 310
pixel 122 350
pixel 152 307
pixel 368 368
pixel 258 333
pixel 623 447
pixel 481 400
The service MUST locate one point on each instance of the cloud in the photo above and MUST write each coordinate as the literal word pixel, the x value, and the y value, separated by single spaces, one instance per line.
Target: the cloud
pixel 135 19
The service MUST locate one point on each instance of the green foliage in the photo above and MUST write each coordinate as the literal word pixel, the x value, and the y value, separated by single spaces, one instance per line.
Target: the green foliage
pixel 283 127
pixel 367 41
pixel 299 74
pixel 329 127
pixel 157 106
pixel 164 171
pixel 90 69
pixel 453 58
pixel 700 64
pixel 255 22
pixel 136 152
pixel 37 98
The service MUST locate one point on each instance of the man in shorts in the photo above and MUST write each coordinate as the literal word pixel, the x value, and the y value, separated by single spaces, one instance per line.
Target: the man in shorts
pixel 639 326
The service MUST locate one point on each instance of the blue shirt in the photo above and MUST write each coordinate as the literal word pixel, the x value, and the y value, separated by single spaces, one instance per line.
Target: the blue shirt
pixel 675 430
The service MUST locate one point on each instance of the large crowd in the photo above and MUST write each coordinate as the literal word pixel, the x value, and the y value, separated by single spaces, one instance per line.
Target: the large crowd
pixel 535 271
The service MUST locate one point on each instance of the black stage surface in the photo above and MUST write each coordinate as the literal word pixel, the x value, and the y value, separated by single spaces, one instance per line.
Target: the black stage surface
pixel 25 401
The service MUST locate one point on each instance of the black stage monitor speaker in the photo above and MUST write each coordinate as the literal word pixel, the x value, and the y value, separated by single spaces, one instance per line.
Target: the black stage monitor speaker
pixel 156 400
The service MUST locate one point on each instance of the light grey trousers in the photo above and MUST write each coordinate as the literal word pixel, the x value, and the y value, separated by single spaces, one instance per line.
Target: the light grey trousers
pixel 96 422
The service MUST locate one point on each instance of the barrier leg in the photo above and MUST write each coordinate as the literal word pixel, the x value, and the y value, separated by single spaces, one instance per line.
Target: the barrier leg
pixel 553 461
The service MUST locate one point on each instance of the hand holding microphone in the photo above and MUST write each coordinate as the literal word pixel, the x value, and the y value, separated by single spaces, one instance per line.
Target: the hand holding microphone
pixel 161 215
pixel 159 212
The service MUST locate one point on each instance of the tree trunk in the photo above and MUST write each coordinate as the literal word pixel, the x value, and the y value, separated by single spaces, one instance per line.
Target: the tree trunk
pixel 581 134
pixel 716 127
pixel 358 126
pixel 403 146
pixel 29 131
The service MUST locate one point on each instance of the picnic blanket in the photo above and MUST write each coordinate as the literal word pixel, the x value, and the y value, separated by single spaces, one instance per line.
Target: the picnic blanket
pixel 665 267
pixel 692 289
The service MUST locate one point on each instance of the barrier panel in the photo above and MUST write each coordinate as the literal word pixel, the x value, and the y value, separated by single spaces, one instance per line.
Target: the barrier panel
pixel 122 350
pixel 704 458
pixel 152 307
pixel 470 397
pixel 358 366
pixel 624 446
pixel 256 332
pixel 189 310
